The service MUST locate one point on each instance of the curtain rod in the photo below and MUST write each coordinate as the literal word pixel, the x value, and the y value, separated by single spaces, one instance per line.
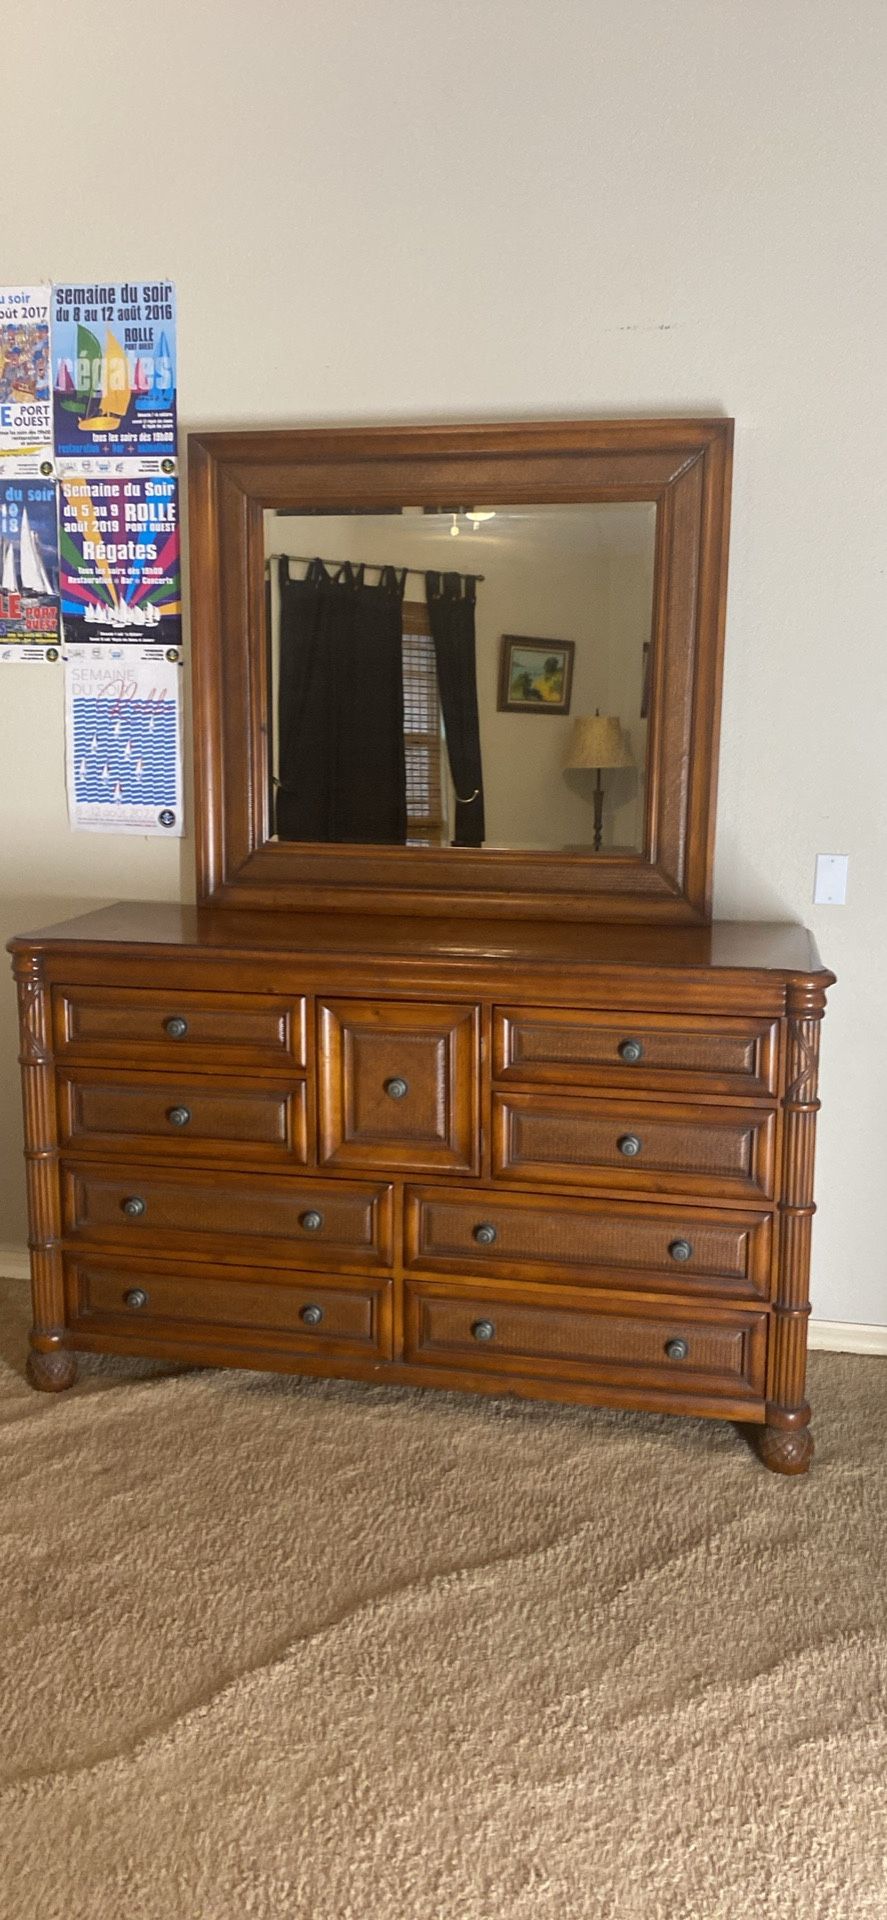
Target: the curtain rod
pixel 374 566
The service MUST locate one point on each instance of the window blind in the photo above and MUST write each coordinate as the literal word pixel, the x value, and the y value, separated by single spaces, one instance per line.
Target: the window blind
pixel 422 730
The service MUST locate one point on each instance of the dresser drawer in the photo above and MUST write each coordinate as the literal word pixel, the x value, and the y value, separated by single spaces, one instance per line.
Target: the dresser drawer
pixel 660 1051
pixel 163 1029
pixel 687 1351
pixel 398 1086
pixel 719 1152
pixel 231 1217
pixel 183 1118
pixel 167 1301
pixel 606 1243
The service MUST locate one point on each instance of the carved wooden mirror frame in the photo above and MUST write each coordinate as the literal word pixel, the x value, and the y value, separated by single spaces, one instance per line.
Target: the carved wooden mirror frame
pixel 682 465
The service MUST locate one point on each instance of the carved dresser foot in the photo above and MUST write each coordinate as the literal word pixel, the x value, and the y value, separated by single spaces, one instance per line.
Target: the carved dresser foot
pixel 52 1372
pixel 785 1450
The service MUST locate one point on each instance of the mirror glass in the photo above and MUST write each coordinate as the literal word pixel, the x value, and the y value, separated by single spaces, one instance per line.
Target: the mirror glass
pixel 467 676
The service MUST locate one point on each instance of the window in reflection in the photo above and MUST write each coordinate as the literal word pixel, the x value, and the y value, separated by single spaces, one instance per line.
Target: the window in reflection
pixel 426 790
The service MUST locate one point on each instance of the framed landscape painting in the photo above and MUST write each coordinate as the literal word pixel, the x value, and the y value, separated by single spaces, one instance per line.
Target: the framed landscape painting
pixel 535 676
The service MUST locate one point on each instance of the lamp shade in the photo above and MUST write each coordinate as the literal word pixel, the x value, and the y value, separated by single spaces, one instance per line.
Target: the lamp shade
pixel 597 740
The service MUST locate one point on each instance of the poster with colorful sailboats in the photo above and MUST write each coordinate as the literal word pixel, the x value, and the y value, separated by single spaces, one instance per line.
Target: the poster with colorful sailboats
pixel 124 743
pixel 25 382
pixel 114 374
pixel 120 563
pixel 29 571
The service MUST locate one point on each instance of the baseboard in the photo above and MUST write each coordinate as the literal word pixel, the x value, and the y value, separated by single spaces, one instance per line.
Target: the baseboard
pixel 825 1336
pixel 14 1263
pixel 846 1336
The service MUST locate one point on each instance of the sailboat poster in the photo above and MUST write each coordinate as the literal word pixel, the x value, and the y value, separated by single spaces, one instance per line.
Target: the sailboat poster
pixel 25 397
pixel 124 746
pixel 29 571
pixel 114 375
pixel 120 566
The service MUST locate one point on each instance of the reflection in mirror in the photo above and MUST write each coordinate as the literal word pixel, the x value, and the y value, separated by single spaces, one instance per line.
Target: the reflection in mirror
pixel 468 677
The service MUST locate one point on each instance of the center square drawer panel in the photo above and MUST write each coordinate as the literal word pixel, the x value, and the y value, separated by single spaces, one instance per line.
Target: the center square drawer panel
pixel 650 1146
pixel 229 1216
pixel 183 1117
pixel 659 1051
pixel 163 1027
pixel 603 1242
pixel 166 1301
pixel 564 1336
pixel 398 1086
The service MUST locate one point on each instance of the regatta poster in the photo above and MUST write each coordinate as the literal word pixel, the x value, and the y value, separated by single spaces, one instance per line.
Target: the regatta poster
pixel 124 744
pixel 120 565
pixel 29 571
pixel 114 375
pixel 25 397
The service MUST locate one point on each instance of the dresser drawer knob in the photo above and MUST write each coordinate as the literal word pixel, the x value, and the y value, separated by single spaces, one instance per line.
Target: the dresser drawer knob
pixel 485 1234
pixel 631 1050
pixel 179 1116
pixel 134 1206
pixel 483 1330
pixel 176 1027
pixel 397 1089
pixel 629 1145
pixel 312 1315
pixel 312 1222
pixel 136 1297
pixel 677 1349
pixel 681 1250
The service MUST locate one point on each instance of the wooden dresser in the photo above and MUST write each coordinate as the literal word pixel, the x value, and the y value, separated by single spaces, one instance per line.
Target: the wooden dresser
pixel 505 1115
pixel 552 1160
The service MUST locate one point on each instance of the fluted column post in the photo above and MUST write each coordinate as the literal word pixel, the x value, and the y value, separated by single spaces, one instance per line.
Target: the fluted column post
pixel 786 1443
pixel 51 1367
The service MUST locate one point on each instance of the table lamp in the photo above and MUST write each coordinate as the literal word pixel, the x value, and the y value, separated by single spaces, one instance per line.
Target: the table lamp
pixel 597 741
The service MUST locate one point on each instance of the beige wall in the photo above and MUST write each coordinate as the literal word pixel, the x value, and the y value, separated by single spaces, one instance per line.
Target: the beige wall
pixel 500 208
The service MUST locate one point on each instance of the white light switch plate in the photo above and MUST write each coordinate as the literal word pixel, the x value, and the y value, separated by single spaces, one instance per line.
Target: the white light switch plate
pixel 830 889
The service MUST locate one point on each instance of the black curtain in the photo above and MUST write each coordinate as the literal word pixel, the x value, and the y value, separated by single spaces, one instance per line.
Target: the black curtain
pixel 341 769
pixel 451 618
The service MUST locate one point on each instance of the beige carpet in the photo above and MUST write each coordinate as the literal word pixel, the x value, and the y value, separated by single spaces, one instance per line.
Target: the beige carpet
pixel 287 1649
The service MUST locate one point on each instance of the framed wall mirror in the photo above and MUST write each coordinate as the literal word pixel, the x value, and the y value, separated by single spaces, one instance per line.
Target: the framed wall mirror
pixel 464 669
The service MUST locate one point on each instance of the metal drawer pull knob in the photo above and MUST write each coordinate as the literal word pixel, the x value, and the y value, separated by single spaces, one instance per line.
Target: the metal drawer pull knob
pixel 631 1050
pixel 397 1089
pixel 485 1235
pixel 677 1349
pixel 312 1222
pixel 136 1297
pixel 179 1116
pixel 176 1027
pixel 134 1206
pixel 629 1145
pixel 681 1250
pixel 312 1316
pixel 483 1329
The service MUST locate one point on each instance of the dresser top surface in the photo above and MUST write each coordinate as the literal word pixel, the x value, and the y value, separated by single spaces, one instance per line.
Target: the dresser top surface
pixel 755 946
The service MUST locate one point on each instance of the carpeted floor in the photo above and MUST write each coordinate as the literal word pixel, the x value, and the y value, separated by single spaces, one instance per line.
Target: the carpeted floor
pixel 281 1649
